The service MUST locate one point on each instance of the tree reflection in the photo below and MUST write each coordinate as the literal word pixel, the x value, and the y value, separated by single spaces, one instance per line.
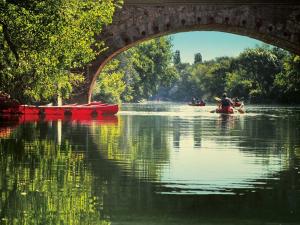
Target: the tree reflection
pixel 140 142
pixel 45 180
pixel 49 167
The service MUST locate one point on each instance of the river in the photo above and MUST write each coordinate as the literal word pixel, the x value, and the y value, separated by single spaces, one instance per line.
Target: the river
pixel 153 163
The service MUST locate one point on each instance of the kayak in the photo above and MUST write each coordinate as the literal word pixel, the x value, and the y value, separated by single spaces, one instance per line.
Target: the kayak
pixel 237 104
pixel 197 104
pixel 227 110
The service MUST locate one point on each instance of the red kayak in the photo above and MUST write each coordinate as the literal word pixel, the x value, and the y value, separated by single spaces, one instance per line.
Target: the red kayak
pixel 227 110
pixel 237 104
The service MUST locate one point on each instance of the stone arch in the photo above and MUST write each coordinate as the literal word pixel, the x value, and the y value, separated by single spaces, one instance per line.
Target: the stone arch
pixel 276 24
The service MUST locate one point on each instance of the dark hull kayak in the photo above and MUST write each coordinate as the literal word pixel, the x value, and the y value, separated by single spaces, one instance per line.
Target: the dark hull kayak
pixel 197 104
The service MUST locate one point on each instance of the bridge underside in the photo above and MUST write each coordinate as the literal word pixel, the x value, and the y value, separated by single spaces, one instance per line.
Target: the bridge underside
pixel 274 22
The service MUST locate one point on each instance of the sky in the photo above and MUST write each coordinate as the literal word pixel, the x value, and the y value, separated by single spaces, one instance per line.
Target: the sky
pixel 210 44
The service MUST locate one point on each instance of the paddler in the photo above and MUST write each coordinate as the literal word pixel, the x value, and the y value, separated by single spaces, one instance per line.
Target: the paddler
pixel 225 101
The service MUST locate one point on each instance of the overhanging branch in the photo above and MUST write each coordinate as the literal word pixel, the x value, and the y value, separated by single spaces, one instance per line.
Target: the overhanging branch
pixel 10 44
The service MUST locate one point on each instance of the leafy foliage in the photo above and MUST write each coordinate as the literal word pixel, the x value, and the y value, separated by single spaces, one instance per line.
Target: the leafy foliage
pixel 287 82
pixel 258 68
pixel 43 41
pixel 198 58
pixel 261 74
pixel 147 67
pixel 110 83
pixel 177 58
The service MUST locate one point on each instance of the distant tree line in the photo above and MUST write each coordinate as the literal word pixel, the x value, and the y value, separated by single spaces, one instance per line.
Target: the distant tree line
pixel 263 74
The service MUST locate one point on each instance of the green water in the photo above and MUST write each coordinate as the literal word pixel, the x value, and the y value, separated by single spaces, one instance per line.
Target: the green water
pixel 153 163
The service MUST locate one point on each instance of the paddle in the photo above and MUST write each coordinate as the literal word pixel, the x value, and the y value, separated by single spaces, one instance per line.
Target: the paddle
pixel 240 110
pixel 217 99
pixel 212 111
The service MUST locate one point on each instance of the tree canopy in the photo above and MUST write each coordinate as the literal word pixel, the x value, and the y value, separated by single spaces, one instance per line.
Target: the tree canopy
pixel 198 58
pixel 176 57
pixel 146 69
pixel 44 41
pixel 260 75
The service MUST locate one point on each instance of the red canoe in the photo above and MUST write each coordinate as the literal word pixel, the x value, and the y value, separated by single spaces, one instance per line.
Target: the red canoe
pixel 94 108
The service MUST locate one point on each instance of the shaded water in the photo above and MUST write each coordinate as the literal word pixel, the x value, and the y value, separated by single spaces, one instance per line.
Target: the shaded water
pixel 154 163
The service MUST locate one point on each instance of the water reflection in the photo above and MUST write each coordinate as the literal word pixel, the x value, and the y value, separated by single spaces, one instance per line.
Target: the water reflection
pixel 44 176
pixel 226 121
pixel 151 167
pixel 7 125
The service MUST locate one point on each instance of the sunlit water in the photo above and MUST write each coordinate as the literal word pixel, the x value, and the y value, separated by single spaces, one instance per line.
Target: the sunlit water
pixel 153 163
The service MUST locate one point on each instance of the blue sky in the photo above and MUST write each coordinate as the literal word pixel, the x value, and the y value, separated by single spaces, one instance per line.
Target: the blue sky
pixel 210 44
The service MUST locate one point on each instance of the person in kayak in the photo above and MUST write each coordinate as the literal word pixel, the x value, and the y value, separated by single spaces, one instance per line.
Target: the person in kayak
pixel 237 102
pixel 225 101
pixel 193 100
pixel 225 105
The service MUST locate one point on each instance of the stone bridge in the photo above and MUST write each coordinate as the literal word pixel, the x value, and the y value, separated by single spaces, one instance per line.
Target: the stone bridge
pixel 275 22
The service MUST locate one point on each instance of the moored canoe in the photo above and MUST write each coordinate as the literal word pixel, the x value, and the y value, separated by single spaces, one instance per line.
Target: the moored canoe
pixel 91 109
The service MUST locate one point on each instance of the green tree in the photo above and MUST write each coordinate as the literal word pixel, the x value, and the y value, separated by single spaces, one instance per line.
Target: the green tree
pixel 183 88
pixel 177 58
pixel 236 85
pixel 259 67
pixel 148 67
pixel 197 58
pixel 203 80
pixel 110 84
pixel 287 82
pixel 210 76
pixel 43 41
pixel 158 71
